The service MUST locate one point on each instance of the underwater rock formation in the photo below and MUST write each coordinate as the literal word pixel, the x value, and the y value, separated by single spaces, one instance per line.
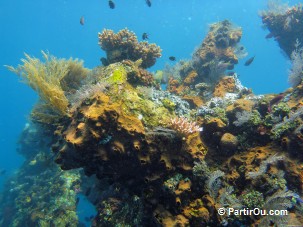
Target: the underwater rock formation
pixel 285 25
pixel 149 160
pixel 218 53
pixel 124 45
pixel 40 193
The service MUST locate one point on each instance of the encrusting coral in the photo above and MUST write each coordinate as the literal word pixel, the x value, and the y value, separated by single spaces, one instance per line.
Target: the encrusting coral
pixel 124 45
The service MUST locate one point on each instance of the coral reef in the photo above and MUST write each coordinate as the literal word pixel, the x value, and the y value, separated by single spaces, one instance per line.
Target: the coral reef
pixel 40 193
pixel 124 45
pixel 218 53
pixel 139 153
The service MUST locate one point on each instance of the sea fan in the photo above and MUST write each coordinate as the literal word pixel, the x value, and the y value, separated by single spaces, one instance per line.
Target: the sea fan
pixel 296 71
pixel 263 167
pixel 281 200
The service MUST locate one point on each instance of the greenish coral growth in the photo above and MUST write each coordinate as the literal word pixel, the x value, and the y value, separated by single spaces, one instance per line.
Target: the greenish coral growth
pixel 254 119
pixel 281 129
pixel 253 199
pixel 217 112
pixel 168 104
pixel 281 109
pixel 116 213
pixel 118 75
pixel 277 183
pixel 172 183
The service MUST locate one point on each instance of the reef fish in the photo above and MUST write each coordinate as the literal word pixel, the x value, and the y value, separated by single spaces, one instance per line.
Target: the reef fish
pixel 148 2
pixel 82 20
pixel 249 61
pixel 172 58
pixel 104 61
pixel 144 36
pixel 111 4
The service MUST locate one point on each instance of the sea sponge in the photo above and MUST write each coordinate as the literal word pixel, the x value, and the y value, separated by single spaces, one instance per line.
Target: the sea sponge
pixel 229 142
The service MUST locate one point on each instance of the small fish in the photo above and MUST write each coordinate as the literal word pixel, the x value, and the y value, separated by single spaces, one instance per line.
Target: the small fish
pixel 144 36
pixel 104 61
pixel 172 58
pixel 269 36
pixel 82 20
pixel 249 61
pixel 148 2
pixel 111 4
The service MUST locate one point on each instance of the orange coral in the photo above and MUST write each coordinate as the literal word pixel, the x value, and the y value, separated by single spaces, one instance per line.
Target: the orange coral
pixel 225 85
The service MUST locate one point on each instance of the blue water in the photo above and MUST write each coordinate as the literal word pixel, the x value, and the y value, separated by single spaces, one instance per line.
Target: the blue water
pixel 178 26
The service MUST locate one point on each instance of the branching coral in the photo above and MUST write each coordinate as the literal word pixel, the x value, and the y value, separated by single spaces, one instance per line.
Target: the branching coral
pixel 183 126
pixel 45 78
pixel 124 45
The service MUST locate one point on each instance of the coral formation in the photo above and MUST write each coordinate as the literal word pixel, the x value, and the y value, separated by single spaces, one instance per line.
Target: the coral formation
pixel 216 55
pixel 284 24
pixel 143 157
pixel 124 45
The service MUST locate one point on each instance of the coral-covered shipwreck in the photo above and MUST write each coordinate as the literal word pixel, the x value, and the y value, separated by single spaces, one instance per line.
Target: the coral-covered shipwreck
pixel 158 158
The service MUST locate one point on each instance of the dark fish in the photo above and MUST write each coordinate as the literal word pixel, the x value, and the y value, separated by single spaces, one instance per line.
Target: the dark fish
pixel 269 36
pixel 249 61
pixel 82 20
pixel 111 4
pixel 144 36
pixel 104 61
pixel 172 58
pixel 148 2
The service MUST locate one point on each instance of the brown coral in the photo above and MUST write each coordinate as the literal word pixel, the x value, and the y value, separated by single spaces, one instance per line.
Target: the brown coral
pixel 124 45
pixel 216 53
